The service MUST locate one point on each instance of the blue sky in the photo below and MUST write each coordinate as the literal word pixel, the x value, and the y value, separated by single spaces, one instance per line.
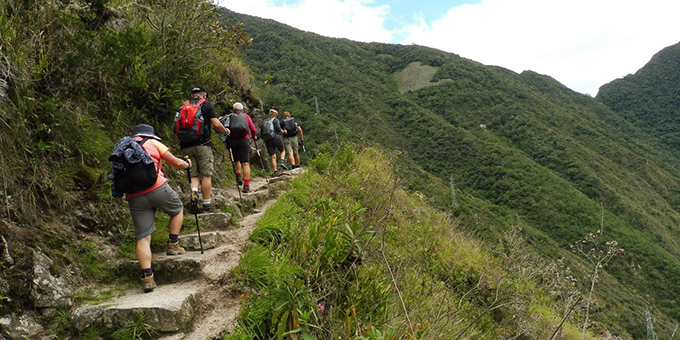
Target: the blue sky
pixel 581 43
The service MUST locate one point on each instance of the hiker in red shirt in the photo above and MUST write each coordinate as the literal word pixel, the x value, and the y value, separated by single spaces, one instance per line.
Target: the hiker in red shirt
pixel 238 125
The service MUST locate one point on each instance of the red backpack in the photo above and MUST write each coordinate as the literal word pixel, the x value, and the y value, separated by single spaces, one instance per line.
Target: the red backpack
pixel 189 122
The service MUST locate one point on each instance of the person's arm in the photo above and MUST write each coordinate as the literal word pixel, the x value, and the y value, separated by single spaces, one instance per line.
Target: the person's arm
pixel 174 161
pixel 251 126
pixel 215 122
pixel 277 126
pixel 299 128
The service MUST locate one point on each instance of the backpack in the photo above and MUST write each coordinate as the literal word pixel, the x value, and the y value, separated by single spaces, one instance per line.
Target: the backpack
pixel 291 126
pixel 189 122
pixel 238 125
pixel 133 169
pixel 267 131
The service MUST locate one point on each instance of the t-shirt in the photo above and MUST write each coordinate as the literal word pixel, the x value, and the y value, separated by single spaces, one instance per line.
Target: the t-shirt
pixel 209 112
pixel 156 150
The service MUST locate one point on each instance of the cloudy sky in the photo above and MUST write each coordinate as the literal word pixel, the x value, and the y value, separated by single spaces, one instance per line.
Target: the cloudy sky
pixel 581 43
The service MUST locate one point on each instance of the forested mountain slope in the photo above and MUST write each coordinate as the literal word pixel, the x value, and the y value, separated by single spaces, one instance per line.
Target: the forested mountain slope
pixel 522 146
pixel 650 98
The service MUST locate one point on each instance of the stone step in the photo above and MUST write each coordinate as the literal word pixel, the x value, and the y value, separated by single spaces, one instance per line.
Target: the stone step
pixel 192 265
pixel 169 308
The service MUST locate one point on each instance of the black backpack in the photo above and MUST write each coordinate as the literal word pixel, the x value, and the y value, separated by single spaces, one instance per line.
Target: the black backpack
pixel 291 126
pixel 189 122
pixel 267 131
pixel 238 125
pixel 133 169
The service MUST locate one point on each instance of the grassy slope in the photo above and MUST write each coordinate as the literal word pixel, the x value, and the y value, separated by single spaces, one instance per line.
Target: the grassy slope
pixel 550 156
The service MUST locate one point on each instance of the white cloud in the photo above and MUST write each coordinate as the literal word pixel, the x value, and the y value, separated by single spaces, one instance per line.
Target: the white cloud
pixel 357 20
pixel 581 43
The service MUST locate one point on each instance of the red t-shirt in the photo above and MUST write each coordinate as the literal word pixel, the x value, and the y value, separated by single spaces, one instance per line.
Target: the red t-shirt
pixel 156 150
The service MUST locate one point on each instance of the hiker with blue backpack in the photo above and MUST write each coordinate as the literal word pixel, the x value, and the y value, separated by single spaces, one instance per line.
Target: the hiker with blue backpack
pixel 137 173
pixel 270 132
pixel 239 124
pixel 192 127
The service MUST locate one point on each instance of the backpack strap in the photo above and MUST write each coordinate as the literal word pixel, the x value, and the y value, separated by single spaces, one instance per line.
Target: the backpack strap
pixel 141 143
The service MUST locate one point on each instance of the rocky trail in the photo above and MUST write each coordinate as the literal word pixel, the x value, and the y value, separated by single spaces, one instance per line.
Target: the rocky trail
pixel 193 300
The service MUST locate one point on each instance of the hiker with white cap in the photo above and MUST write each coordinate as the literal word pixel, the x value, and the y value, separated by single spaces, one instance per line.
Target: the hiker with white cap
pixel 156 194
pixel 192 128
pixel 239 123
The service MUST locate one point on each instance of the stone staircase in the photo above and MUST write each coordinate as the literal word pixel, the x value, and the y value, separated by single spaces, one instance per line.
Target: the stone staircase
pixel 192 300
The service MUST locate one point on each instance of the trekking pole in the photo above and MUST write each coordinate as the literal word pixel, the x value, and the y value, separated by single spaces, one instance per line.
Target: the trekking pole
pixel 193 205
pixel 261 161
pixel 233 166
pixel 304 150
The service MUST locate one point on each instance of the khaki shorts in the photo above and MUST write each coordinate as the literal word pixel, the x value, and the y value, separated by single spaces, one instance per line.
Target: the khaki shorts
pixel 143 208
pixel 291 144
pixel 202 160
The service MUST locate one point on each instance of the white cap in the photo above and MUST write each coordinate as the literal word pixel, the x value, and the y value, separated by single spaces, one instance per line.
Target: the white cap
pixel 238 106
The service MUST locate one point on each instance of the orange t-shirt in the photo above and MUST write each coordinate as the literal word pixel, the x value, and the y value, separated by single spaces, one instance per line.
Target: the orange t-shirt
pixel 156 150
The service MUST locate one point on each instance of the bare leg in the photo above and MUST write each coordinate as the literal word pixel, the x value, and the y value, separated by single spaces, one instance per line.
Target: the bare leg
pixel 297 159
pixel 274 162
pixel 143 251
pixel 291 158
pixel 195 182
pixel 246 171
pixel 175 223
pixel 206 186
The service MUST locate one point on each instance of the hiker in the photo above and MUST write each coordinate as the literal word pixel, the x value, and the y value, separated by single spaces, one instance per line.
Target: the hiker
pixel 195 143
pixel 291 131
pixel 144 203
pixel 270 132
pixel 238 125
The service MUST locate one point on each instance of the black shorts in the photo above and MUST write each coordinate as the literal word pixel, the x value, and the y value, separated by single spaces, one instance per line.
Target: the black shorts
pixel 274 144
pixel 240 148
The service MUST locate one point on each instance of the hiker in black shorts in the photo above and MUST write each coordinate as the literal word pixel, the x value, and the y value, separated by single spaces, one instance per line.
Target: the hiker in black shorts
pixel 270 132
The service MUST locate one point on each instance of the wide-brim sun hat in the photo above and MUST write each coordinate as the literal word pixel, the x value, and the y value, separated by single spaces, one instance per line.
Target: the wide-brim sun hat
pixel 145 130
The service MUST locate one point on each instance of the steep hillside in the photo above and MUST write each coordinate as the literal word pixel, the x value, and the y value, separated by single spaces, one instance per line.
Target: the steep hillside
pixel 650 98
pixel 522 146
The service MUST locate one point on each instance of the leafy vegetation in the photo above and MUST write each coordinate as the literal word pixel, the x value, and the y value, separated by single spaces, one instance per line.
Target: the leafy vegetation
pixel 517 146
pixel 349 254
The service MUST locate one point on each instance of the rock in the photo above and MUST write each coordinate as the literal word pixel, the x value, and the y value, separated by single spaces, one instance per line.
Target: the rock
pixel 4 252
pixel 20 327
pixel 220 221
pixel 169 308
pixel 209 239
pixel 48 291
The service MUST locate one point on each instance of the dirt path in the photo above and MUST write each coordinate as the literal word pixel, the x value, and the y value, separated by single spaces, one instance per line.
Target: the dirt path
pixel 219 306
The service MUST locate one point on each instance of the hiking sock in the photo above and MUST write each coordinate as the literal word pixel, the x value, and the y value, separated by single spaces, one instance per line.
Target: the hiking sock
pixel 172 238
pixel 146 272
pixel 207 202
pixel 238 175
pixel 246 182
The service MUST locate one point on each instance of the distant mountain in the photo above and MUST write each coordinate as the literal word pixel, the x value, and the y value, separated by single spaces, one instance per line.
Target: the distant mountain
pixel 521 149
pixel 650 98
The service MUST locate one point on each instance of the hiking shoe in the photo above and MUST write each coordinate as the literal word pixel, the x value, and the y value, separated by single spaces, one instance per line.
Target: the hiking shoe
pixel 276 174
pixel 283 166
pixel 246 188
pixel 210 208
pixel 239 180
pixel 174 249
pixel 148 284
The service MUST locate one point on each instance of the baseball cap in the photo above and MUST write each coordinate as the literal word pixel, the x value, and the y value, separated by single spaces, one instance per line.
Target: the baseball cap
pixel 198 88
pixel 238 106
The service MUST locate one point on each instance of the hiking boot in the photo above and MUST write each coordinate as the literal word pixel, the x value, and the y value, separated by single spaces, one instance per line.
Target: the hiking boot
pixel 174 248
pixel 283 166
pixel 246 188
pixel 148 284
pixel 276 174
pixel 210 208
pixel 239 180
